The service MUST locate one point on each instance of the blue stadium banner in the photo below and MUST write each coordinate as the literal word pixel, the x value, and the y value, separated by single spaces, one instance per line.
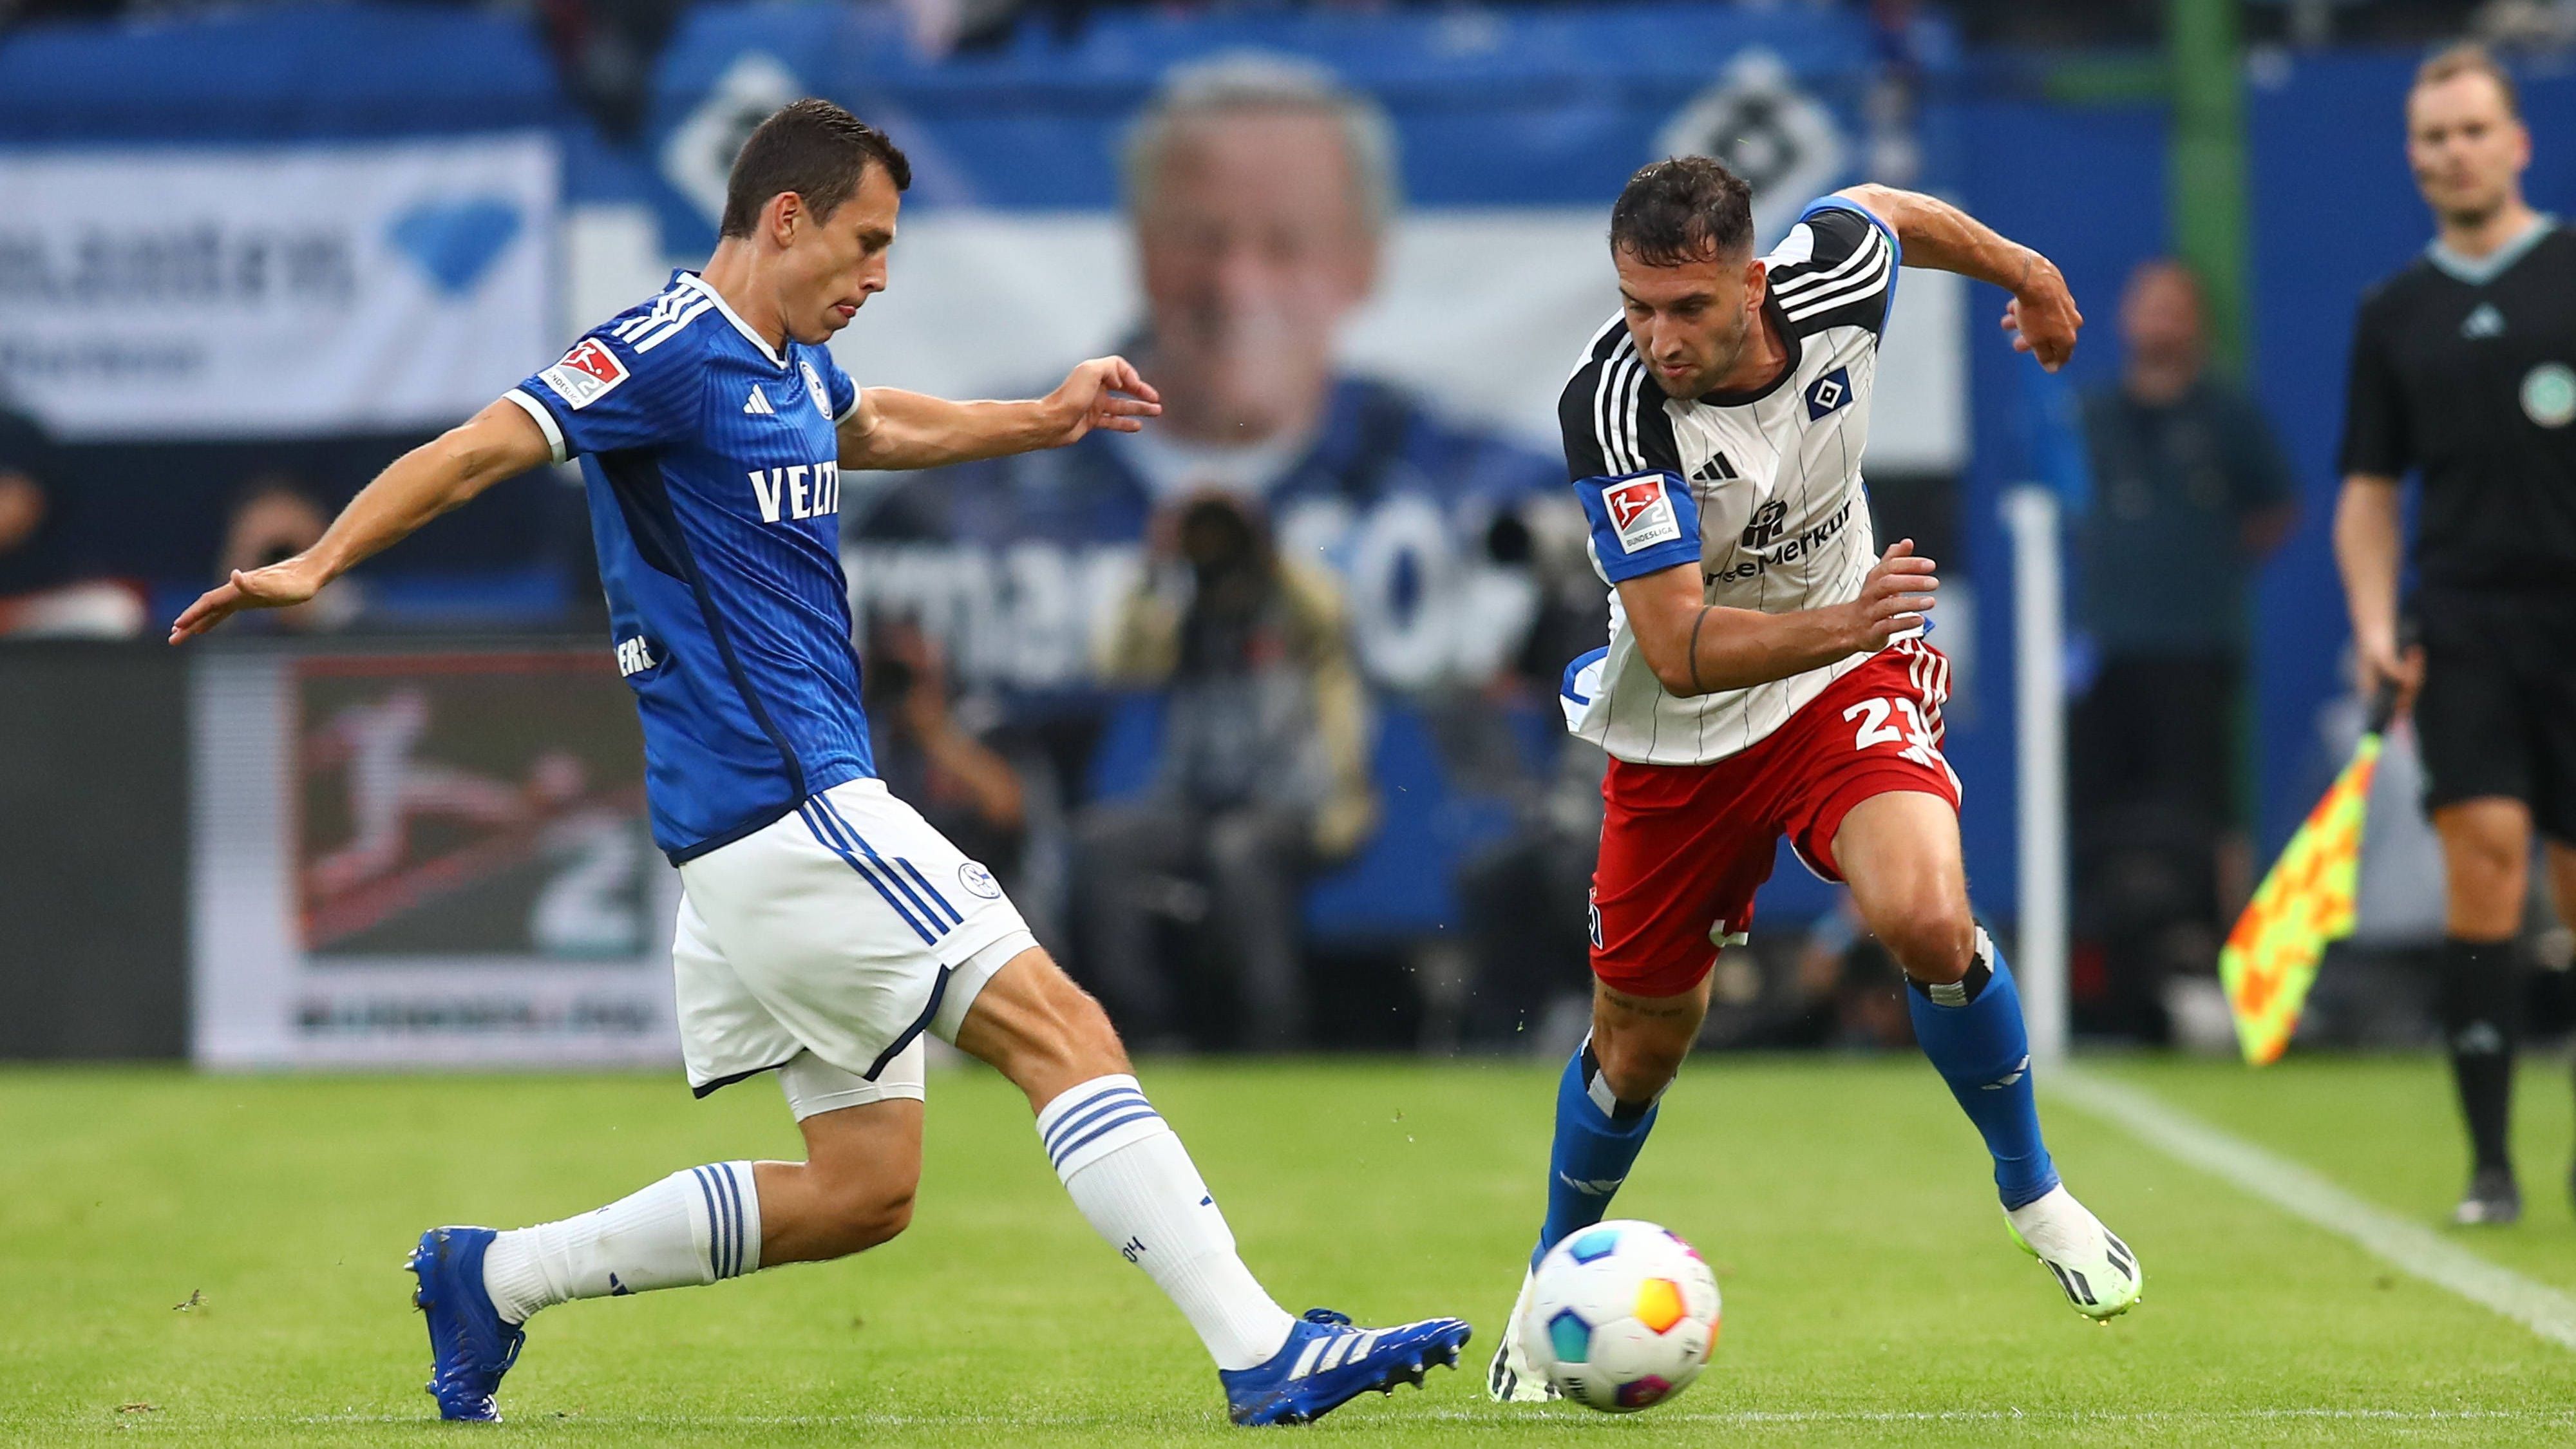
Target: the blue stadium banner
pixel 275 290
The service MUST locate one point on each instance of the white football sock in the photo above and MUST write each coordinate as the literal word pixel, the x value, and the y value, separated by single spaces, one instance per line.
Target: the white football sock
pixel 2056 1225
pixel 1136 1185
pixel 692 1227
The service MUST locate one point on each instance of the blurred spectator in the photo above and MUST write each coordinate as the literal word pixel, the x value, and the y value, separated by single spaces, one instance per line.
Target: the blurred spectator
pixel 606 50
pixel 2190 494
pixel 273 520
pixel 943 27
pixel 1999 24
pixel 2525 24
pixel 1549 539
pixel 1263 777
pixel 970 791
pixel 27 520
pixel 1836 988
pixel 1526 898
pixel 1854 985
pixel 42 591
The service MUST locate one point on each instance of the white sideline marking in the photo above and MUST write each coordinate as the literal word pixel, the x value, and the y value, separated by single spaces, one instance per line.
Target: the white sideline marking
pixel 2304 1193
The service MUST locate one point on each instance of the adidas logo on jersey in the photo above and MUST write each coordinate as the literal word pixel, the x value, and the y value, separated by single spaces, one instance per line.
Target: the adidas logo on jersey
pixel 1716 470
pixel 2484 322
pixel 758 406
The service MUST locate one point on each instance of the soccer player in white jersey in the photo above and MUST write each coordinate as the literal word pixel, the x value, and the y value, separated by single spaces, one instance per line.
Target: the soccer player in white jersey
pixel 1767 673
pixel 824 925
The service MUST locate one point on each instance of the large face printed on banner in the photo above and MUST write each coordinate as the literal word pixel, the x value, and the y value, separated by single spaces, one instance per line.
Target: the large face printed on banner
pixel 276 291
pixel 1783 141
pixel 1246 250
pixel 1253 249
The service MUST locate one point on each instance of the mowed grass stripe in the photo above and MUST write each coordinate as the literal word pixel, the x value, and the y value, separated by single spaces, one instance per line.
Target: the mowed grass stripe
pixel 1872 1298
pixel 2403 1244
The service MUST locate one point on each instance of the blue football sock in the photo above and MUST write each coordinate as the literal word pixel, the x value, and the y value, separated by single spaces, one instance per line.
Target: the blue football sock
pixel 1972 1030
pixel 1597 1138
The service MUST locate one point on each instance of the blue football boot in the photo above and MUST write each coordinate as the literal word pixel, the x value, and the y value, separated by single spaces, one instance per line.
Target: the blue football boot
pixel 1326 1363
pixel 469 1346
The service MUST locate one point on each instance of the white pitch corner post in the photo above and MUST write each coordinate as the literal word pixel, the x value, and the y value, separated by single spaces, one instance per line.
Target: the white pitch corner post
pixel 2033 519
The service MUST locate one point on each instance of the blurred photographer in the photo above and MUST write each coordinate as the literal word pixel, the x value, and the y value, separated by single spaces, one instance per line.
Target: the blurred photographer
pixel 274 519
pixel 1263 775
pixel 966 788
pixel 44 592
pixel 1526 897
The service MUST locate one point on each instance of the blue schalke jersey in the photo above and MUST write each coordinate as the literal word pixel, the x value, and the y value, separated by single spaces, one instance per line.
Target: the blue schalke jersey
pixel 714 480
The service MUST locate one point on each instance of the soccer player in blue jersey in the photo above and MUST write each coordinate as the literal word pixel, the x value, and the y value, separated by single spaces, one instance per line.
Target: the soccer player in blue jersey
pixel 824 925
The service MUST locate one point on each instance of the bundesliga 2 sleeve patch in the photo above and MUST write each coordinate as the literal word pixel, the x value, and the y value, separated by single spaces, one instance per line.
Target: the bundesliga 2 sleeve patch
pixel 587 373
pixel 1640 525
pixel 1641 511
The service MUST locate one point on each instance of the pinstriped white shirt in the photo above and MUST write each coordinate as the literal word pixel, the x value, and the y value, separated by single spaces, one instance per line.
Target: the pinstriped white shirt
pixel 1773 474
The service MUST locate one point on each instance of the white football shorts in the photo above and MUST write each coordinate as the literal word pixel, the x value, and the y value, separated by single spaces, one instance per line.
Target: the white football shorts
pixel 843 930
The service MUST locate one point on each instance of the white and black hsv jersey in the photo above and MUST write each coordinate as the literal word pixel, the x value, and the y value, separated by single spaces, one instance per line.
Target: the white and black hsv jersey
pixel 1760 489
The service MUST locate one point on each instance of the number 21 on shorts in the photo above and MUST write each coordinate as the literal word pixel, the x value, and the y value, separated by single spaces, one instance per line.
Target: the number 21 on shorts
pixel 1914 736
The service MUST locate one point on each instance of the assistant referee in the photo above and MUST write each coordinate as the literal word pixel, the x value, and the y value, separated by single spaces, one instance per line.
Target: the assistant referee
pixel 2464 372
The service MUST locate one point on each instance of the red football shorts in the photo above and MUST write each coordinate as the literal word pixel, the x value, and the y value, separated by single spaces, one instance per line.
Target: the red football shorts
pixel 1684 847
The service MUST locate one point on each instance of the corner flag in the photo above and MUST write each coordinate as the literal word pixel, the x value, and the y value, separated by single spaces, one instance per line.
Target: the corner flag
pixel 2270 959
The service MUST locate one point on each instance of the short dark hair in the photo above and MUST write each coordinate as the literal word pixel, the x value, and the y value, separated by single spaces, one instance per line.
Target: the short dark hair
pixel 1683 210
pixel 813 148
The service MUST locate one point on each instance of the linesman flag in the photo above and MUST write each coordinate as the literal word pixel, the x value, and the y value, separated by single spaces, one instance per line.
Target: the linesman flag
pixel 2270 959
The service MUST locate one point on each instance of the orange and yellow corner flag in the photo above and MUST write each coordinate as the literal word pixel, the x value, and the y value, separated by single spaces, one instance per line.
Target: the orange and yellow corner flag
pixel 2270 959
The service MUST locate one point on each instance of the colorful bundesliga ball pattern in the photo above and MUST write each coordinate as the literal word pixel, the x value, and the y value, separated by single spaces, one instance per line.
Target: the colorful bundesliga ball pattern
pixel 1622 1316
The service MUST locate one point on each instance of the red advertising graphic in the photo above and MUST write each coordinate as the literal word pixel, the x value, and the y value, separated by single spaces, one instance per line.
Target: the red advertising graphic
pixel 469 804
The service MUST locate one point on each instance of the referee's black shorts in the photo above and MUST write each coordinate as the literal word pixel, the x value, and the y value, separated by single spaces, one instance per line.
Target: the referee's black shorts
pixel 2497 714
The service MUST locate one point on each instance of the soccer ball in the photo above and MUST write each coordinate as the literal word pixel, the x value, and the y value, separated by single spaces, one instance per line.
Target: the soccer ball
pixel 1622 1316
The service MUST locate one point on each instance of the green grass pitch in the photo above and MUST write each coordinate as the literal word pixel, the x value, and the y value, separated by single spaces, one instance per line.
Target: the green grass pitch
pixel 1871 1296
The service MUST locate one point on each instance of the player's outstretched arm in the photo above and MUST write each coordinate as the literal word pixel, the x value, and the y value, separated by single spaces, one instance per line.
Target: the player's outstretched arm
pixel 1698 648
pixel 1932 233
pixel 501 441
pixel 895 429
